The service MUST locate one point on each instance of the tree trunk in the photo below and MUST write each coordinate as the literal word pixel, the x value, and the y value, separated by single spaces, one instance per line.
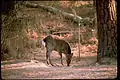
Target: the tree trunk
pixel 106 23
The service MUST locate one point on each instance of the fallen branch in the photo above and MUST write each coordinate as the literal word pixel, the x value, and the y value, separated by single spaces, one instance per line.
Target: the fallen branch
pixel 65 32
pixel 54 10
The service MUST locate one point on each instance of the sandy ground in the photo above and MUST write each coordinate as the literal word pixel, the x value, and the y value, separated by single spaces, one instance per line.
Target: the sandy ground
pixel 86 68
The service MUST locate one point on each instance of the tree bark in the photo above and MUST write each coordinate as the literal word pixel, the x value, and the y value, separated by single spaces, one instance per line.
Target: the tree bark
pixel 106 23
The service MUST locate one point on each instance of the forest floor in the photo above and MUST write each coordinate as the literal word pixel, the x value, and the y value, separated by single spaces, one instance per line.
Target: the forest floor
pixel 86 68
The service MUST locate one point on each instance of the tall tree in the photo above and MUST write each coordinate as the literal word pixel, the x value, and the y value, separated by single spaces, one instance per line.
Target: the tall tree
pixel 107 28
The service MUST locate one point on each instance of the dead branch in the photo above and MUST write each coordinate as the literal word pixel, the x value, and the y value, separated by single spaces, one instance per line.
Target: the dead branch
pixel 54 10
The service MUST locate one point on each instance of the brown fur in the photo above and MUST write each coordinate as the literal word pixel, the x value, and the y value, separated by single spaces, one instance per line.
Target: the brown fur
pixel 58 45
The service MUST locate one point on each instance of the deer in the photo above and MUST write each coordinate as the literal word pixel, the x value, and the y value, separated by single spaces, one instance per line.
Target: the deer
pixel 61 46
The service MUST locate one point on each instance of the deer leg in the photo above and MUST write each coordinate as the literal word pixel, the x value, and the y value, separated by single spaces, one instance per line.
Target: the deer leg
pixel 61 58
pixel 68 59
pixel 50 61
pixel 48 57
